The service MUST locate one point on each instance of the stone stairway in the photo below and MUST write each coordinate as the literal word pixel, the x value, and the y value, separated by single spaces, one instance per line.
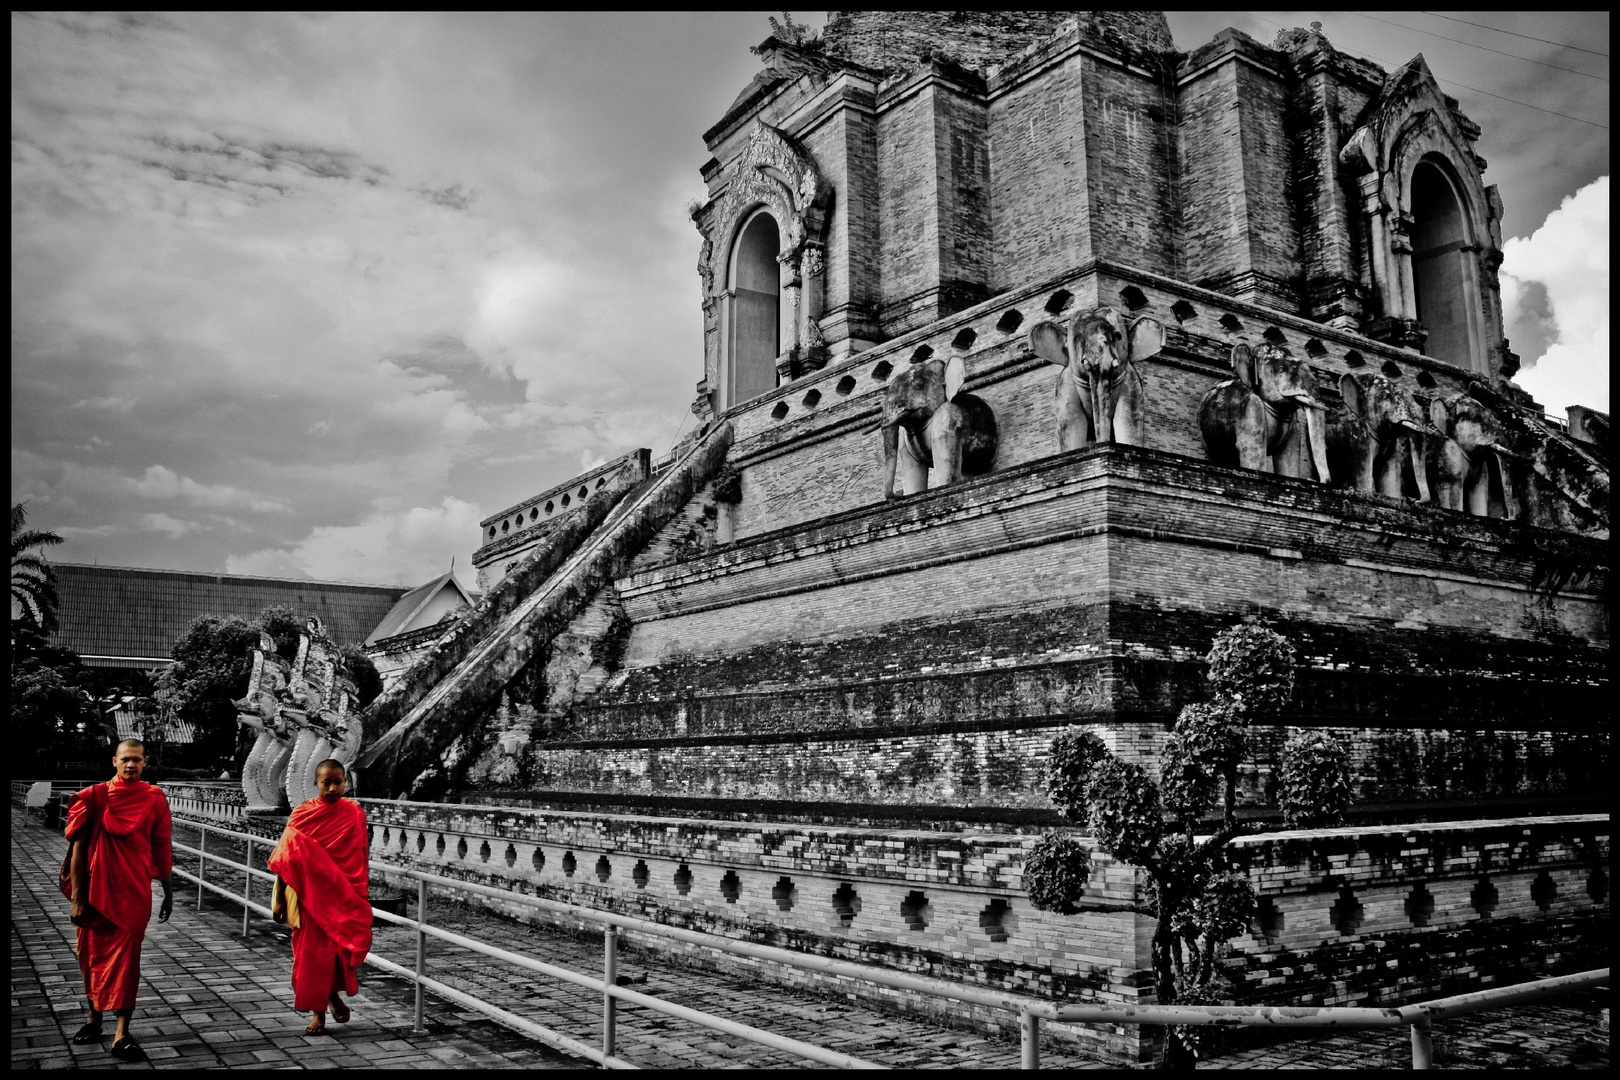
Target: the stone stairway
pixel 449 687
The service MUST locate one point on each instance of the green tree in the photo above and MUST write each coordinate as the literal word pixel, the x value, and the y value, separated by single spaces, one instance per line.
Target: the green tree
pixel 53 717
pixel 33 581
pixel 213 660
pixel 1196 899
pixel 368 683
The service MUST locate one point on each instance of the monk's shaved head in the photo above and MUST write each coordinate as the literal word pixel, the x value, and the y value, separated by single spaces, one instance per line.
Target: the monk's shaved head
pixel 331 780
pixel 129 759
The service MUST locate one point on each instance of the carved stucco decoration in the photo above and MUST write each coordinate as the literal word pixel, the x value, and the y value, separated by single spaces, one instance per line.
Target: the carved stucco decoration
pixel 1410 120
pixel 773 172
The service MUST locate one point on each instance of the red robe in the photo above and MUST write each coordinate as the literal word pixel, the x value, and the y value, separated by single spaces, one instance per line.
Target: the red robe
pixel 128 848
pixel 322 857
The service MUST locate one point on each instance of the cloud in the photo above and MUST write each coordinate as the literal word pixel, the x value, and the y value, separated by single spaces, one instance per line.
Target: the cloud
pixel 398 547
pixel 169 526
pixel 161 483
pixel 1555 298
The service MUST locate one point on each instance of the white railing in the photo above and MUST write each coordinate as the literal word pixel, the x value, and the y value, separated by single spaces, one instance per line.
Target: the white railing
pixel 1030 1011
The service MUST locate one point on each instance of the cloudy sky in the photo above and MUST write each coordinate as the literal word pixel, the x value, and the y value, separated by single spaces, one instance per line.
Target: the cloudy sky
pixel 310 295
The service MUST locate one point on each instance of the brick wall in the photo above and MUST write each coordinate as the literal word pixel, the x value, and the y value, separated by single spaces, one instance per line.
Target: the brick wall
pixel 1039 208
pixel 844 147
pixel 899 40
pixel 1003 766
pixel 1130 164
pixel 1389 915
pixel 908 212
pixel 1086 587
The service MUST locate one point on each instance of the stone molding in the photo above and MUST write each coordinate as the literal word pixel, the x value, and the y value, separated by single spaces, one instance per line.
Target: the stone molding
pixel 1114 488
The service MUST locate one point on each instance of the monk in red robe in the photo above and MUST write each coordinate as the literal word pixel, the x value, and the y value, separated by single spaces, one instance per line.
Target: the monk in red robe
pixel 323 891
pixel 118 841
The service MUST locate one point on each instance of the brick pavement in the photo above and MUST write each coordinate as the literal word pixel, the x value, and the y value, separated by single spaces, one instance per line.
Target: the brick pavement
pixel 211 999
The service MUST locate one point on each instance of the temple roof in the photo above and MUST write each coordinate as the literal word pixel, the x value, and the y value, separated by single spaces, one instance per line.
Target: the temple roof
pixel 407 614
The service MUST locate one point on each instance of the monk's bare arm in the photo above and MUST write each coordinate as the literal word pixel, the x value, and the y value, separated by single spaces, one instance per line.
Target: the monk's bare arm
pixel 278 901
pixel 79 870
pixel 163 855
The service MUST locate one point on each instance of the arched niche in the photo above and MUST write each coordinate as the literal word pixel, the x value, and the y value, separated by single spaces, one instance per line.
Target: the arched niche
pixel 1442 264
pixel 775 179
pixel 754 309
pixel 1428 232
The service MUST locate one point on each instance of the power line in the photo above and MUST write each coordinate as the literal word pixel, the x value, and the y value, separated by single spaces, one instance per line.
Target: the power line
pixel 1482 48
pixel 1514 33
pixel 1450 82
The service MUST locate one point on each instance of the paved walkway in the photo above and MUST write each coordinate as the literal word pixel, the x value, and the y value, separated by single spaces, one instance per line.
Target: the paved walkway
pixel 211 999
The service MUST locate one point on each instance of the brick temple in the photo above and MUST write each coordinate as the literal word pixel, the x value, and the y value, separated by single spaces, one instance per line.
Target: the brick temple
pixel 796 680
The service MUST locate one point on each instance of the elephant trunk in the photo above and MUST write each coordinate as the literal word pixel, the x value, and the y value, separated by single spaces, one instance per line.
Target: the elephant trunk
pixel 1102 413
pixel 1417 436
pixel 891 448
pixel 1510 502
pixel 1316 436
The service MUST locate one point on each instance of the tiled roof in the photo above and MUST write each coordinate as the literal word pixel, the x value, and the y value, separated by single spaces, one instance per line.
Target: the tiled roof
pixel 125 611
pixel 175 732
pixel 398 620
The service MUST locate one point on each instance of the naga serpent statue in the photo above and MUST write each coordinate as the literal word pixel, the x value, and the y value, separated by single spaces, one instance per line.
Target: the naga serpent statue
pixel 303 712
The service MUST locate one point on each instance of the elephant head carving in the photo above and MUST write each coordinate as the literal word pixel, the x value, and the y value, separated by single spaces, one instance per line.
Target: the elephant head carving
pixel 1470 444
pixel 942 427
pixel 1269 417
pixel 1100 394
pixel 1378 435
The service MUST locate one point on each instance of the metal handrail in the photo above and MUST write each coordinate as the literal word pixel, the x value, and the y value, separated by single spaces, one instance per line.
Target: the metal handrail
pixel 1030 1011
pixel 611 993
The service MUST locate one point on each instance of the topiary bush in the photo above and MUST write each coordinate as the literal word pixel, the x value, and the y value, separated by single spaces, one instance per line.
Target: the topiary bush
pixel 1055 873
pixel 1123 810
pixel 1315 781
pixel 1252 669
pixel 1068 769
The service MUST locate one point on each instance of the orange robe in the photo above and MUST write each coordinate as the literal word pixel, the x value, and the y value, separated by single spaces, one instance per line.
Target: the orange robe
pixel 128 848
pixel 322 857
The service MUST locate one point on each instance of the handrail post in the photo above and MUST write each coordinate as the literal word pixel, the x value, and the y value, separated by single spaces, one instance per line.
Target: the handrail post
pixel 421 948
pixel 610 978
pixel 247 886
pixel 1422 1044
pixel 202 860
pixel 1029 1038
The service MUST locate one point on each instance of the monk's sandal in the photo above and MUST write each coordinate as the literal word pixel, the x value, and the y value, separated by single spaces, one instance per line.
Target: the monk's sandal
pixel 90 1033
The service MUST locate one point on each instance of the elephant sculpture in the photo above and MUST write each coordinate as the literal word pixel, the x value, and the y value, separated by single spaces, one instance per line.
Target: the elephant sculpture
pixel 929 422
pixel 1468 448
pixel 1269 417
pixel 1377 436
pixel 1100 394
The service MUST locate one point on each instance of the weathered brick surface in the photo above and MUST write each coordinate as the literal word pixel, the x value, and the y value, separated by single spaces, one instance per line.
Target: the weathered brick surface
pixel 1040 215
pixel 898 40
pixel 1430 909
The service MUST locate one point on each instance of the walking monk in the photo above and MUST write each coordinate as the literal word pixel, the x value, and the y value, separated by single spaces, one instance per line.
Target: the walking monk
pixel 323 892
pixel 118 841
